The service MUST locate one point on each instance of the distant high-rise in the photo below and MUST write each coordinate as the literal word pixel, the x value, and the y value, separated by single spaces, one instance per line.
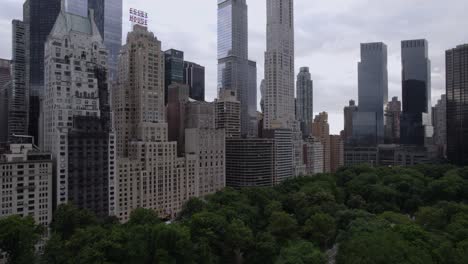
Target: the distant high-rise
pixel 321 131
pixel 392 121
pixel 194 77
pixel 227 111
pixel 439 119
pixel 5 83
pixel 368 122
pixel 39 18
pixel 76 114
pixel 174 69
pixel 305 100
pixel 457 104
pixel 336 153
pixel 348 119
pixel 108 19
pixel 77 7
pixel 416 90
pixel 313 156
pixel 252 126
pixel 279 65
pixel 233 64
pixel 18 96
pixel 262 94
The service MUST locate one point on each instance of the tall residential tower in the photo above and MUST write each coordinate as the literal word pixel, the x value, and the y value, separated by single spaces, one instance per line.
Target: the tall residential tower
pixel 279 65
pixel 305 100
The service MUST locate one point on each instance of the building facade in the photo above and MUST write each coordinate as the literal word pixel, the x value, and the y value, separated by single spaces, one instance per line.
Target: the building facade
pixel 194 77
pixel 416 117
pixel 457 104
pixel 279 65
pixel 228 114
pixel 250 162
pixel 77 125
pixel 251 115
pixel 336 153
pixel 392 121
pixel 313 156
pixel 284 154
pixel 305 100
pixel 368 121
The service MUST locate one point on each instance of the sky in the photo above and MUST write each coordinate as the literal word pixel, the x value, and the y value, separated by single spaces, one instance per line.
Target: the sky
pixel 327 38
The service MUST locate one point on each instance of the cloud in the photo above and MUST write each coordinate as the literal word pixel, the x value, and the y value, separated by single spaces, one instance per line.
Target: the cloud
pixel 328 34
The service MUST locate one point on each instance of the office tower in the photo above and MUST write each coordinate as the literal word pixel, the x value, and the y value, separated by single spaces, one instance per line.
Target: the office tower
pixel 348 119
pixel 439 114
pixel 194 77
pixel 392 121
pixel 279 65
pixel 235 71
pixel 262 94
pixel 321 131
pixel 313 156
pixel 284 154
pixel 416 81
pixel 28 173
pixel 336 153
pixel 5 82
pixel 145 155
pixel 39 18
pixel 174 69
pixel 108 19
pixel 305 100
pixel 227 111
pixel 78 7
pixel 251 99
pixel 76 113
pixel 250 162
pixel 18 96
pixel 298 150
pixel 368 121
pixel 457 104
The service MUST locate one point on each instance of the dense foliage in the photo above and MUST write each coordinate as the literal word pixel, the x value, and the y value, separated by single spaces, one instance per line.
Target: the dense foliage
pixel 360 215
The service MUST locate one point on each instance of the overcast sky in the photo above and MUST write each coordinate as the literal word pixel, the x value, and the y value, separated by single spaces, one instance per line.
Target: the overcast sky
pixel 328 33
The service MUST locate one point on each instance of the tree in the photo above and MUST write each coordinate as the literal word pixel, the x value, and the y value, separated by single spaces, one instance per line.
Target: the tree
pixel 239 238
pixel 320 228
pixel 301 252
pixel 68 218
pixel 18 236
pixel 283 226
pixel 141 216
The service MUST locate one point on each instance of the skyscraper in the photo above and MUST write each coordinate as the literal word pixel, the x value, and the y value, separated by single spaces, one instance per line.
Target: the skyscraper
pixel 251 99
pixel 194 77
pixel 392 121
pixel 457 104
pixel 77 7
pixel 305 100
pixel 279 65
pixel 321 131
pixel 39 18
pixel 336 153
pixel 416 89
pixel 18 96
pixel 439 114
pixel 233 65
pixel 108 19
pixel 348 119
pixel 368 122
pixel 174 69
pixel 5 83
pixel 77 116
pixel 227 111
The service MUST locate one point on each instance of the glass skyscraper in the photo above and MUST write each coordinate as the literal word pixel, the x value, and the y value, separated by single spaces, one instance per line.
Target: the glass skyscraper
pixel 174 69
pixel 416 123
pixel 77 7
pixel 194 77
pixel 233 64
pixel 368 121
pixel 305 100
pixel 456 63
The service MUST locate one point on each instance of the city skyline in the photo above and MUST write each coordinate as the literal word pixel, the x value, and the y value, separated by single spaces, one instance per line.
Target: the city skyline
pixel 327 40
